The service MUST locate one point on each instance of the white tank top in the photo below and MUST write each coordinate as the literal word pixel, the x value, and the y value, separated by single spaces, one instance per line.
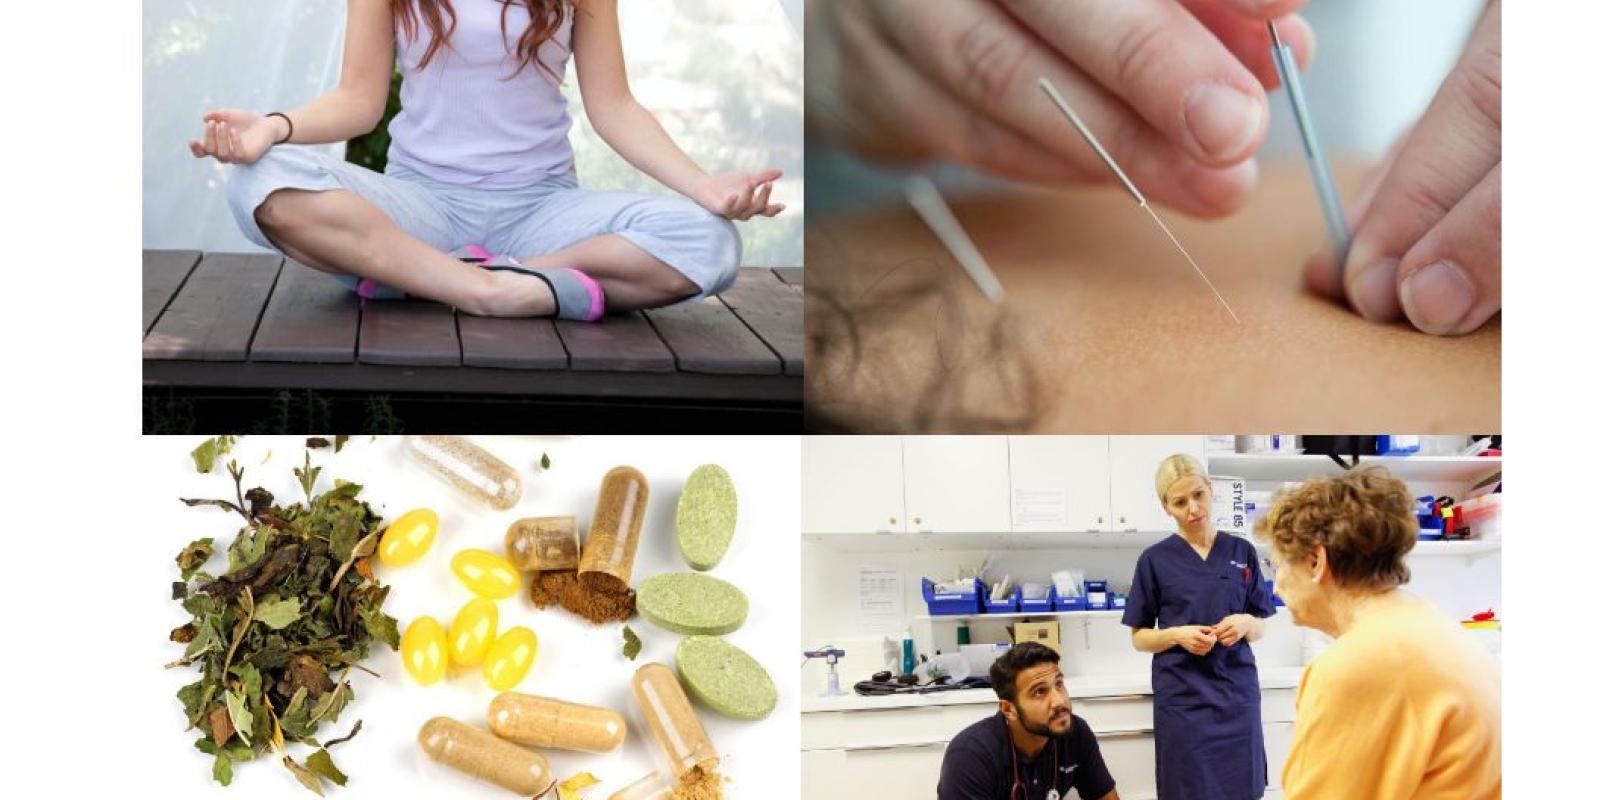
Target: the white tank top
pixel 465 119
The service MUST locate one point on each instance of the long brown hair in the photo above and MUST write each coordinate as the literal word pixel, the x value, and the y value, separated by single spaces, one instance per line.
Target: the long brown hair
pixel 440 17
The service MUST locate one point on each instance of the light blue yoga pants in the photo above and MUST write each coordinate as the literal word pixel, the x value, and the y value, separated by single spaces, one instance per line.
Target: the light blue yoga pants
pixel 548 216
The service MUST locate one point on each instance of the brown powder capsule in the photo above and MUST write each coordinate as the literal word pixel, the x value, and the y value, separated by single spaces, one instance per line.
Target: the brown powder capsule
pixel 542 544
pixel 544 722
pixel 672 720
pixel 607 561
pixel 480 754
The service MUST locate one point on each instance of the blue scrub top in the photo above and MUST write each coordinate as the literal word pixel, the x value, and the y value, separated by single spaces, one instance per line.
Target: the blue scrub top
pixel 1208 708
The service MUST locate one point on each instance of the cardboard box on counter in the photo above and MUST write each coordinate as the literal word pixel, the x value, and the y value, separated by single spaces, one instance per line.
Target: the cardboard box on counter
pixel 1045 633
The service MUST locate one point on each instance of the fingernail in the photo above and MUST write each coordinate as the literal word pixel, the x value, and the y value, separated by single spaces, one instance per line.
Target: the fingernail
pixel 1437 297
pixel 1372 292
pixel 1222 119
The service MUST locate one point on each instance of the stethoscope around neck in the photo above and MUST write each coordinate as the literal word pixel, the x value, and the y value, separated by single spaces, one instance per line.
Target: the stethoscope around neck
pixel 1016 774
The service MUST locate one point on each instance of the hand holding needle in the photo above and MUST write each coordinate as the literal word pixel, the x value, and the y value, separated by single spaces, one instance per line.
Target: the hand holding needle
pixel 1083 130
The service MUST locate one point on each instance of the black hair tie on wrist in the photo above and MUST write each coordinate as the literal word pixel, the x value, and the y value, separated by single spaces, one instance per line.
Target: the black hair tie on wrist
pixel 290 135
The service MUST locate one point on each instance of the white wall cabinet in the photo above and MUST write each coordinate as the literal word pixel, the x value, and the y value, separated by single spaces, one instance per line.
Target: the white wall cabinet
pixel 1060 483
pixel 852 484
pixel 957 484
pixel 1133 461
pixel 985 484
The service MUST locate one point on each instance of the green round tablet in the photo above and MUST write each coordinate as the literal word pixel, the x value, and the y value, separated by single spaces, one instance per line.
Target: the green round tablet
pixel 691 603
pixel 725 679
pixel 708 510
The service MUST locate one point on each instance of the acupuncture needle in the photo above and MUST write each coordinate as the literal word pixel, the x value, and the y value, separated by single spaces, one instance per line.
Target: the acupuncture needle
pixel 1083 130
pixel 924 197
pixel 1321 176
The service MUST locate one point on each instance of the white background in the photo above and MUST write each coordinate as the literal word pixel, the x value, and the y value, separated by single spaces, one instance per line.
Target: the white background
pixel 71 233
pixel 576 661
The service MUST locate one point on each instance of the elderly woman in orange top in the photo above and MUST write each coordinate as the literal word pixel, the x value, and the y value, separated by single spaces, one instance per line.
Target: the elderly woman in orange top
pixel 1403 704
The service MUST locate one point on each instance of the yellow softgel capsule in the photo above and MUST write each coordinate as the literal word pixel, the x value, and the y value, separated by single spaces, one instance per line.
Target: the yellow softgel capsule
pixel 510 658
pixel 486 574
pixel 472 632
pixel 407 538
pixel 423 650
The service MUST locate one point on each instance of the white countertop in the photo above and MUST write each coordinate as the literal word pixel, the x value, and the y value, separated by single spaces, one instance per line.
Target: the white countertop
pixel 1080 686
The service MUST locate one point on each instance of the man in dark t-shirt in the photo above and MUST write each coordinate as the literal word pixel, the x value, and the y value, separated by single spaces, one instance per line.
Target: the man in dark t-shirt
pixel 1035 748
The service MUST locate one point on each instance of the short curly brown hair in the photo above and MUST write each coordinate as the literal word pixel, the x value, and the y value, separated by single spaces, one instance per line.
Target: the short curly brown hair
pixel 1365 518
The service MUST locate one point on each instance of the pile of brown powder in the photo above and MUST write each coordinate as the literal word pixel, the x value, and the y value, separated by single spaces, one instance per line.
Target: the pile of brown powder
pixel 699 784
pixel 597 604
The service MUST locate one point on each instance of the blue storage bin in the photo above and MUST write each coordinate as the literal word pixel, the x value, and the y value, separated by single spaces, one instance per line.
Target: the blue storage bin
pixel 1040 606
pixel 1119 601
pixel 1006 606
pixel 963 602
pixel 1071 603
pixel 1092 588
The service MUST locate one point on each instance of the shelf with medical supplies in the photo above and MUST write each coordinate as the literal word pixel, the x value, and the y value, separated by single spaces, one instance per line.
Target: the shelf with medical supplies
pixel 1099 612
pixel 1299 467
pixel 930 542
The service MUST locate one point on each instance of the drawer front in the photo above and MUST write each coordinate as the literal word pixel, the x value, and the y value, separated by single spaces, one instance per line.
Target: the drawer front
pixel 1277 705
pixel 1134 712
pixel 1278 736
pixel 889 727
pixel 1130 756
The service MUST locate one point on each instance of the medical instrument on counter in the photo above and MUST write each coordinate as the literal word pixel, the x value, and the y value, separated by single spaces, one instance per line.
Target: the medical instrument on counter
pixel 832 654
pixel 1327 192
pixel 1083 130
pixel 924 197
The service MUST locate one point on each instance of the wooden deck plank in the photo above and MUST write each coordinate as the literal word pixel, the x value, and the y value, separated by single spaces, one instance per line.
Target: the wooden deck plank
pixel 311 318
pixel 706 337
pixel 775 311
pixel 408 333
pixel 510 343
pixel 619 343
pixel 794 276
pixel 164 272
pixel 214 314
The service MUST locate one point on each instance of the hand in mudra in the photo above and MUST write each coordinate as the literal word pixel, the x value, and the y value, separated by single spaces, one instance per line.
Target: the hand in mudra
pixel 739 195
pixel 237 136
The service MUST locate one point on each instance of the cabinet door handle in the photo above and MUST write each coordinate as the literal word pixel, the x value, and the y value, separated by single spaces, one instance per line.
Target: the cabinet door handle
pixel 1116 697
pixel 893 521
pixel 1129 734
pixel 905 746
pixel 917 520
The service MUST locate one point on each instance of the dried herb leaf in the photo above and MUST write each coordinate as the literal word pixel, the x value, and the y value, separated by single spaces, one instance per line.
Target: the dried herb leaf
pixel 544 463
pixel 205 456
pixel 193 556
pixel 630 643
pixel 278 613
pixel 239 715
pixel 339 442
pixel 317 443
pixel 306 777
pixel 222 769
pixel 322 764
